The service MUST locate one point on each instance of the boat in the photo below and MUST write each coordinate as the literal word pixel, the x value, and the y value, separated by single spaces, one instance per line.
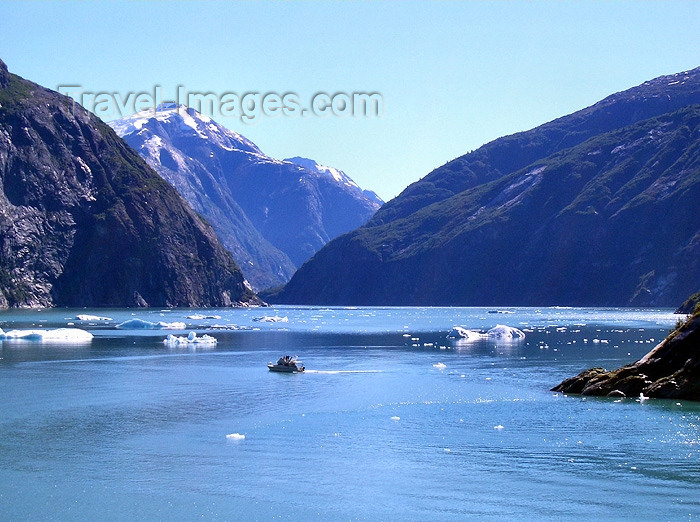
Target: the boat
pixel 287 364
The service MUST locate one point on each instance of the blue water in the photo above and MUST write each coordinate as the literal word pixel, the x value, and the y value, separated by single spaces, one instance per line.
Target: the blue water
pixel 391 422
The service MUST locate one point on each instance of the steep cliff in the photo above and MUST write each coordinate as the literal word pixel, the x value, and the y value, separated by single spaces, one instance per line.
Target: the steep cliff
pixel 85 222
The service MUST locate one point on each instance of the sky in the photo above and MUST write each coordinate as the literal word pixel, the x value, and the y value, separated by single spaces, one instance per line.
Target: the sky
pixel 451 75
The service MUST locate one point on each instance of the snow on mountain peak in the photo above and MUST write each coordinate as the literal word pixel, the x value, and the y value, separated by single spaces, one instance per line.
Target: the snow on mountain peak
pixel 313 166
pixel 179 118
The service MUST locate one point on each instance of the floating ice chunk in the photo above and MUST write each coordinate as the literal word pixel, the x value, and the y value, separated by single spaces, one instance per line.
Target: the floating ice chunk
pixel 140 324
pixel 200 316
pixel 271 319
pixel 59 335
pixel 190 339
pixel 458 332
pixel 235 436
pixel 88 317
pixel 499 427
pixel 440 366
pixel 505 333
pixel 396 418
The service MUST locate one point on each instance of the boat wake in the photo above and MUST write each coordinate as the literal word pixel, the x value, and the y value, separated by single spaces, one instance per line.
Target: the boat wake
pixel 335 372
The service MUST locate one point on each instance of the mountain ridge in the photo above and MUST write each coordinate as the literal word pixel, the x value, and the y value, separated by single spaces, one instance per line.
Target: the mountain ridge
pixel 510 153
pixel 546 234
pixel 85 222
pixel 271 214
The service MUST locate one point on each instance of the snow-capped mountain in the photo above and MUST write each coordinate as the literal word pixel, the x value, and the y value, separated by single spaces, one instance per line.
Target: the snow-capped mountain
pixel 272 215
pixel 336 174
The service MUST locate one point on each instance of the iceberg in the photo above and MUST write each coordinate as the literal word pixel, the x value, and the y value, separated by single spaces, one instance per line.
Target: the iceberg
pixel 235 436
pixel 497 333
pixel 199 317
pixel 59 335
pixel 191 338
pixel 88 317
pixel 140 324
pixel 458 332
pixel 271 319
pixel 505 333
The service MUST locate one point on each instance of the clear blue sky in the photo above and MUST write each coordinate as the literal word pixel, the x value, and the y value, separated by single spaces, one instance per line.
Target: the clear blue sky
pixel 453 75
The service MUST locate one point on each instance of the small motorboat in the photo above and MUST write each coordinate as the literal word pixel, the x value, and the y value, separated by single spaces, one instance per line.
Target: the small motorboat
pixel 287 364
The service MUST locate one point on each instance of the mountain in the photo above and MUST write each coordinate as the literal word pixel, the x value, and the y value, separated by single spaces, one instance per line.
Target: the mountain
pixel 271 215
pixel 511 153
pixel 595 208
pixel 85 222
pixel 338 175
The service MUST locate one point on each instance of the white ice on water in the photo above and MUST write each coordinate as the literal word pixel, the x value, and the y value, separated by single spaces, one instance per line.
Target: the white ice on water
pixel 190 339
pixel 499 332
pixel 458 332
pixel 141 324
pixel 62 335
pixel 271 319
pixel 88 317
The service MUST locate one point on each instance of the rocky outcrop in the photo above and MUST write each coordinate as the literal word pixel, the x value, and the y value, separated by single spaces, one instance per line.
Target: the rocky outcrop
pixel 671 371
pixel 85 222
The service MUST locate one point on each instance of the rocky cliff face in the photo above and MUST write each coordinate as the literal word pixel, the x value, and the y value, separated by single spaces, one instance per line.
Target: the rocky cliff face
pixel 608 218
pixel 272 215
pixel 669 371
pixel 85 222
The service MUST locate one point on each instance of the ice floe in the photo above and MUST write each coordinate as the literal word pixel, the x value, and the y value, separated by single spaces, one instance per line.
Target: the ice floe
pixel 62 335
pixel 235 436
pixel 200 317
pixel 271 319
pixel 440 366
pixel 88 317
pixel 140 324
pixel 503 332
pixel 191 338
pixel 497 333
pixel 458 332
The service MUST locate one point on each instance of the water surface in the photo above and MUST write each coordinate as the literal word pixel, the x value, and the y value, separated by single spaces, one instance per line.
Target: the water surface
pixel 392 420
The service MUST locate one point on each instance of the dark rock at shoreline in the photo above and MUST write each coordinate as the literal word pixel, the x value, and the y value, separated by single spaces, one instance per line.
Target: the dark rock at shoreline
pixel 670 371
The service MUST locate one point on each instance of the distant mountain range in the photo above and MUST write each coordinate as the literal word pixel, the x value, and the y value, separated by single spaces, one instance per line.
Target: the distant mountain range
pixel 271 215
pixel 84 221
pixel 595 208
